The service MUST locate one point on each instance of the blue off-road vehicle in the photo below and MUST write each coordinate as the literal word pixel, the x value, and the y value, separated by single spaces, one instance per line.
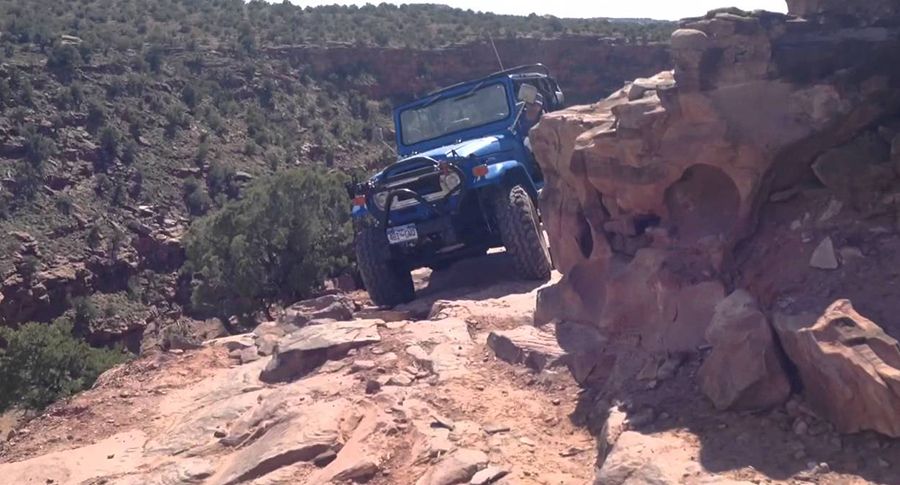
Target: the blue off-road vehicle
pixel 466 182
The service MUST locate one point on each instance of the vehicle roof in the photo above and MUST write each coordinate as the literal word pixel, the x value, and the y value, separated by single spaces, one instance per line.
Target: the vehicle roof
pixel 518 72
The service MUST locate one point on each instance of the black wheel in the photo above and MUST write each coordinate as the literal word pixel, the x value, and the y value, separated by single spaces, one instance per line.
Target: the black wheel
pixel 388 284
pixel 520 230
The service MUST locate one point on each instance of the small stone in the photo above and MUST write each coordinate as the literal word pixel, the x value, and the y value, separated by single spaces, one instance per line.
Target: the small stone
pixel 324 458
pixel 402 380
pixel 571 451
pixel 800 427
pixel 527 441
pixel 439 421
pixel 819 429
pixel 372 386
pixel 489 475
pixel 479 387
pixel 641 418
pixel 361 365
pixel 883 463
pixel 110 456
pixel 250 354
pixel 494 428
pixel 823 257
pixel 556 401
pixel 219 433
pixel 176 351
pixel 833 209
pixel 849 253
pixel 784 195
pixel 669 367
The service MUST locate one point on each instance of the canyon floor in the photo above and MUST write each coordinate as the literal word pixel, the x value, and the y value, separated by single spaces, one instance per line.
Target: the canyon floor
pixel 422 395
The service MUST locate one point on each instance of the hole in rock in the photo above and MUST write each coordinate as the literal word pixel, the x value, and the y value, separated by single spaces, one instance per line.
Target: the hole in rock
pixel 704 202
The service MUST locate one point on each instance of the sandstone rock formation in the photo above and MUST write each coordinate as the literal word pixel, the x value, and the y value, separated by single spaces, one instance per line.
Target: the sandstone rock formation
pixel 744 370
pixel 850 369
pixel 649 192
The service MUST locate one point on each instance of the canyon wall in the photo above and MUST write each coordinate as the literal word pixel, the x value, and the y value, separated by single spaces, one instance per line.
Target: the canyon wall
pixel 586 67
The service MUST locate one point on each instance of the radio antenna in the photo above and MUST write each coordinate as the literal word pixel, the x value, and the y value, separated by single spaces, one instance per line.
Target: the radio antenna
pixel 495 50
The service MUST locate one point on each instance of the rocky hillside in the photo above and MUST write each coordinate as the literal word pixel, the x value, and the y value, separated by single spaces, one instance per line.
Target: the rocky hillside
pixel 740 213
pixel 125 120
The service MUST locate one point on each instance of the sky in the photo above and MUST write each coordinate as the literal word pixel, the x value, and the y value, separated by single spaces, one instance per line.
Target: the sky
pixel 658 9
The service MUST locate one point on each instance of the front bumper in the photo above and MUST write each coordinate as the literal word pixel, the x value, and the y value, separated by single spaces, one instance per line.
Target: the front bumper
pixel 404 204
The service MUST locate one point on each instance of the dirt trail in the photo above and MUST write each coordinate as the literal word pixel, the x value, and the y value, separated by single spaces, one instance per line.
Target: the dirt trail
pixel 162 418
pixel 462 384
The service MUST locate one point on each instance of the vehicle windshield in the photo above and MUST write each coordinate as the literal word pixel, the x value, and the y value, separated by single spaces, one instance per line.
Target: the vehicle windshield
pixel 484 105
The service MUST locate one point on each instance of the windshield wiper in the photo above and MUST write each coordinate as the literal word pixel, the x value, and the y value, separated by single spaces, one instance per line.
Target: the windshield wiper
pixel 465 95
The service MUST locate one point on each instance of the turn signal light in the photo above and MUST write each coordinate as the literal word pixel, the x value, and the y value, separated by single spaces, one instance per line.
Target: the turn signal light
pixel 359 200
pixel 480 170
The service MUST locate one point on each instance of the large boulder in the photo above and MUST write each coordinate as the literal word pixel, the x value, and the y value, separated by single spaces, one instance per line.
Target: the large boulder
pixel 303 351
pixel 331 307
pixel 848 366
pixel 744 370
pixel 527 345
pixel 649 191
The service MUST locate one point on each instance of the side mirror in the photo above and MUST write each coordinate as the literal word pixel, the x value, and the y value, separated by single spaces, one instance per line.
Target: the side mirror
pixel 528 93
pixel 560 99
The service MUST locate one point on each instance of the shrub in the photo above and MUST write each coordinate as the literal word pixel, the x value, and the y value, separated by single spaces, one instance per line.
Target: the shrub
pixel 109 143
pixel 62 61
pixel 96 116
pixel 129 152
pixel 278 242
pixel 196 199
pixel 154 58
pixel 42 363
pixel 38 148
pixel 175 120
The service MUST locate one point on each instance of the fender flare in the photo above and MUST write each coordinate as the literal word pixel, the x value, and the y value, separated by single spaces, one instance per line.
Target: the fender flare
pixel 507 173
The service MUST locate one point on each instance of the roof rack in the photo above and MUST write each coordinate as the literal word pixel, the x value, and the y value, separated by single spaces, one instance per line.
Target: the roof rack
pixel 540 68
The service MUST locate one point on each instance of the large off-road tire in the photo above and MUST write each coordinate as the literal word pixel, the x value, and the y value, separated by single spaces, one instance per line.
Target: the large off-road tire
pixel 520 230
pixel 388 284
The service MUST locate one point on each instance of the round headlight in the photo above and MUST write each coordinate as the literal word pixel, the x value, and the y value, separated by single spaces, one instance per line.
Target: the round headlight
pixel 381 199
pixel 450 181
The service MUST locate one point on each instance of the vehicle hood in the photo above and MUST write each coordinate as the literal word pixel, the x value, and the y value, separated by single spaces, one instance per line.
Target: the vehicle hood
pixel 476 149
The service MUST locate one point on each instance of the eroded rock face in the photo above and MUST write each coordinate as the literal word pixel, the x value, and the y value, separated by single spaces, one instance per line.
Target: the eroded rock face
pixel 849 368
pixel 649 191
pixel 744 370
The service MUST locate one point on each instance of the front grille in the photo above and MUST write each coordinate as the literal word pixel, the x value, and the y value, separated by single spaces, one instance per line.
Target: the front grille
pixel 423 186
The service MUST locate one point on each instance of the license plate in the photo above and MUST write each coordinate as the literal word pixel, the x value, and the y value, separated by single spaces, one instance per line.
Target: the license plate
pixel 402 234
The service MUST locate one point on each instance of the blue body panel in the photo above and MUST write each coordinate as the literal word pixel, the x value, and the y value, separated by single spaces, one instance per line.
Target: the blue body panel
pixel 499 145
